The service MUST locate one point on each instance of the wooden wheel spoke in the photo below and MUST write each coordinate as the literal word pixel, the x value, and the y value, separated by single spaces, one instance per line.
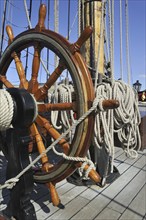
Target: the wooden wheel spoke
pixel 53 132
pixel 18 63
pixel 33 83
pixel 53 192
pixel 57 107
pixel 45 162
pixel 42 91
pixel 6 82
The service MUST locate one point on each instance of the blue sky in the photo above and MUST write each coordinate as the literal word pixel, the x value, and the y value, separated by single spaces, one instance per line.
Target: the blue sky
pixel 137 30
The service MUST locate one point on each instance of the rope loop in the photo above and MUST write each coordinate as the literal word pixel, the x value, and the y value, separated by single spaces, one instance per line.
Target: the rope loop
pixel 9 184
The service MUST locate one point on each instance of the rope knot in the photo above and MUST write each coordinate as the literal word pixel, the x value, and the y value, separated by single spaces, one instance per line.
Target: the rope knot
pixel 9 184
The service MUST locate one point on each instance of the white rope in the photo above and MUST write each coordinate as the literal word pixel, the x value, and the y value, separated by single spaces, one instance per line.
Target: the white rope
pixel 127 118
pixel 63 94
pixel 103 120
pixel 10 183
pixel 6 110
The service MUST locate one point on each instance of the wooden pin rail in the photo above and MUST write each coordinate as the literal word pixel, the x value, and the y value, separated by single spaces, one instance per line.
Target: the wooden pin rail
pixel 110 104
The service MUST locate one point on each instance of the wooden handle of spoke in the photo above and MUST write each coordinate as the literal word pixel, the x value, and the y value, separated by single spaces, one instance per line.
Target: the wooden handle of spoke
pixel 94 176
pixel 10 33
pixel 19 66
pixel 82 39
pixel 4 80
pixel 54 195
pixel 42 16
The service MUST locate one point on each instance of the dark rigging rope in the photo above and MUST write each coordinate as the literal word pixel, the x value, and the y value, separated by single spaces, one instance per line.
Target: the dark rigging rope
pixel 3 26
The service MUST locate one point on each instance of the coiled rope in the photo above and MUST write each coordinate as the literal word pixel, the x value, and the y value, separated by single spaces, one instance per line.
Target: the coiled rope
pixel 6 110
pixel 127 118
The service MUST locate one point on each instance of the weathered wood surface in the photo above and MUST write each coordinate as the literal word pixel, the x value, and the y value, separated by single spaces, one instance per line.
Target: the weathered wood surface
pixel 124 199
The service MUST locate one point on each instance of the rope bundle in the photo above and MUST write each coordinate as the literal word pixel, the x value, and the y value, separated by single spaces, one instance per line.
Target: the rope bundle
pixel 63 94
pixel 127 118
pixel 6 110
pixel 124 120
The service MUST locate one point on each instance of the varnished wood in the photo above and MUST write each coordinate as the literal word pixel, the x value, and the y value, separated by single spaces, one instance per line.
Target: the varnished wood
pixel 34 132
pixel 42 15
pixel 18 63
pixel 4 80
pixel 33 83
pixel 81 40
pixel 54 195
pixel 110 104
pixel 57 107
pixel 94 176
pixel 53 132
pixel 41 93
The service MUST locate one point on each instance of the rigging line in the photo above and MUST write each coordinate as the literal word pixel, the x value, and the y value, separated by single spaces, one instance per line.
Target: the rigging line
pixel 68 28
pixel 127 43
pixel 56 24
pixel 73 23
pixel 9 22
pixel 56 29
pixel 8 17
pixel 79 17
pixel 13 4
pixel 30 26
pixel 121 42
pixel 26 64
pixel 3 26
pixel 68 25
pixel 106 39
pixel 48 28
pixel 112 35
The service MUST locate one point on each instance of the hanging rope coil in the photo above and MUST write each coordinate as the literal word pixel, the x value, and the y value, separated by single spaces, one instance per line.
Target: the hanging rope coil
pixel 6 110
pixel 103 132
pixel 62 94
pixel 127 118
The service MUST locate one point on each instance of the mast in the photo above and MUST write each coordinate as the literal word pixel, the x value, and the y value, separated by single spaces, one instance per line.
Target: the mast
pixel 91 14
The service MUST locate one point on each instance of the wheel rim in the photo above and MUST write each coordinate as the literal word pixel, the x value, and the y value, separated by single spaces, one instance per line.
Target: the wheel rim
pixel 82 84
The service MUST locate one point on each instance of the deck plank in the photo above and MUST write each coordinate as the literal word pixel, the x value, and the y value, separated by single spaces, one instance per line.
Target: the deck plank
pixel 137 208
pixel 118 200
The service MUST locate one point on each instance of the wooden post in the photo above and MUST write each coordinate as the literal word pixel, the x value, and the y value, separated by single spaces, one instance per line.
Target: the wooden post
pixel 92 16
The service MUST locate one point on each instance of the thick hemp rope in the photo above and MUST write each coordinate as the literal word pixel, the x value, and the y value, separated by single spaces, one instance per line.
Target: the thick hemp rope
pixel 6 110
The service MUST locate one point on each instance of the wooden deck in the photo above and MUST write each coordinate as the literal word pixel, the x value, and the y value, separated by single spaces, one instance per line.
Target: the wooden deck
pixel 124 199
